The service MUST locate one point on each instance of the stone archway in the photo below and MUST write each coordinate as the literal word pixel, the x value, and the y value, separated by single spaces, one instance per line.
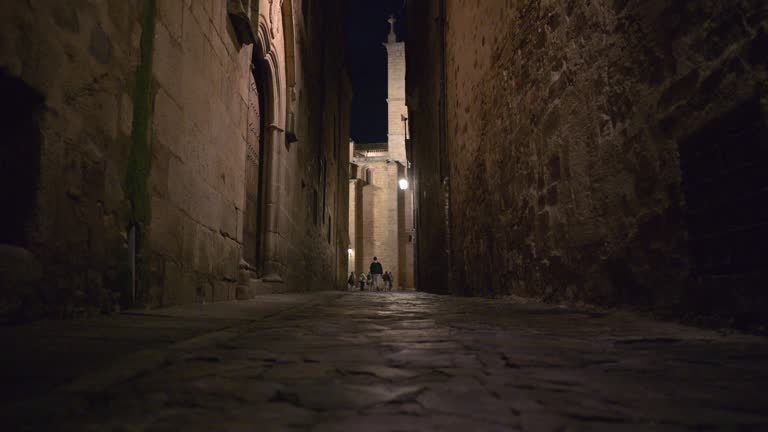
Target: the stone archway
pixel 262 255
pixel 253 223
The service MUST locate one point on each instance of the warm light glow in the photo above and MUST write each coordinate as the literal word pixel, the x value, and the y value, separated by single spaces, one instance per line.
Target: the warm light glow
pixel 349 250
pixel 403 184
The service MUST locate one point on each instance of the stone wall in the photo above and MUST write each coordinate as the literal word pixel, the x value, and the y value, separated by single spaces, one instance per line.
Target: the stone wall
pixel 429 171
pixel 566 122
pixel 316 254
pixel 143 130
pixel 407 235
pixel 197 177
pixel 82 58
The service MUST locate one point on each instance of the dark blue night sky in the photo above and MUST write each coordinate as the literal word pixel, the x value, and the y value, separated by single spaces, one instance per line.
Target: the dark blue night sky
pixel 367 29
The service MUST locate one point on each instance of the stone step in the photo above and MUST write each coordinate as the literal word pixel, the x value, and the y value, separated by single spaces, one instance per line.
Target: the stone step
pixel 256 287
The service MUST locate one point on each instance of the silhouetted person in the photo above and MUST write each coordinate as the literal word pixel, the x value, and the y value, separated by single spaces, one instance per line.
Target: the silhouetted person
pixel 362 281
pixel 387 280
pixel 376 271
pixel 351 280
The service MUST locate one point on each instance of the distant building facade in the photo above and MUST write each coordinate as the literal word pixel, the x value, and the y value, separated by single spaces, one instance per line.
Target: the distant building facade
pixel 380 212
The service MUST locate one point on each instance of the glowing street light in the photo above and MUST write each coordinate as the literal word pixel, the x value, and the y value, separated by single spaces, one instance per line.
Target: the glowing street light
pixel 403 184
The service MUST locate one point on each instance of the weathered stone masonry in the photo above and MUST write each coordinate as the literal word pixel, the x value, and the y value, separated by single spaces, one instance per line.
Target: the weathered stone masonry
pixel 573 130
pixel 144 127
pixel 85 68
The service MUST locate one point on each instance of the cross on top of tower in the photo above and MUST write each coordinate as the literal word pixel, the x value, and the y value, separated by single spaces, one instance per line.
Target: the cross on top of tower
pixel 392 36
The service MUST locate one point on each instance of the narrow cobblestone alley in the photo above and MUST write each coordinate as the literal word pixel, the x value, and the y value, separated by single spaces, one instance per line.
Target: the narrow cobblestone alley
pixel 411 361
pixel 537 202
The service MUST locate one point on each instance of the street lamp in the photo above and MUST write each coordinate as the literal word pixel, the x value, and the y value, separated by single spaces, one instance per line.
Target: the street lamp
pixel 403 183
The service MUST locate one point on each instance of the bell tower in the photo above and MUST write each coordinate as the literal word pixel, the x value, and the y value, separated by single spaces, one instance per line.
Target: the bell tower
pixel 397 111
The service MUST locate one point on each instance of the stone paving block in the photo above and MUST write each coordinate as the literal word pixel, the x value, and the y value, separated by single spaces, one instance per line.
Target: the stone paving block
pixel 411 361
pixel 299 371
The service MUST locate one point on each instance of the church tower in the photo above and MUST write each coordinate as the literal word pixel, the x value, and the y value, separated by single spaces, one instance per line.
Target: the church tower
pixel 380 207
pixel 397 111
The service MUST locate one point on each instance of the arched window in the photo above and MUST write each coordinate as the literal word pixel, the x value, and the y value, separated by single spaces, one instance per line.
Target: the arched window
pixel 369 176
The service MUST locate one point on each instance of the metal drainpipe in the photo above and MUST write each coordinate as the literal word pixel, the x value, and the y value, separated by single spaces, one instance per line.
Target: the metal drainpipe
pixel 132 261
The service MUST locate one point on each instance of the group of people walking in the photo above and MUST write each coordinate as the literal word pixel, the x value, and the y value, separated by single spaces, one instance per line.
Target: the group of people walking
pixel 376 278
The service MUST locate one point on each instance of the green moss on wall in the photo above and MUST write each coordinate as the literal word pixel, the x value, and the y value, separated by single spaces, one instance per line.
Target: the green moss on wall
pixel 139 162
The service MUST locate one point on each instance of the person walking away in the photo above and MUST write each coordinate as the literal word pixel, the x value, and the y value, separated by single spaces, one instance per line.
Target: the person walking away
pixel 376 271
pixel 362 281
pixel 368 281
pixel 351 281
pixel 390 280
pixel 386 279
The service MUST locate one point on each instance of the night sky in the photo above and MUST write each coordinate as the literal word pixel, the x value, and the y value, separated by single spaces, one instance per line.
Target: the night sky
pixel 367 29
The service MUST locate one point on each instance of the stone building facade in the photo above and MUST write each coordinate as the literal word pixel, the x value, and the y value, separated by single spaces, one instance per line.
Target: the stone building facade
pixel 380 212
pixel 609 151
pixel 182 151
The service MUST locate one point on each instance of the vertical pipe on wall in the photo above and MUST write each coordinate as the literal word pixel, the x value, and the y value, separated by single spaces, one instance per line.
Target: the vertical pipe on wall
pixel 132 260
pixel 444 153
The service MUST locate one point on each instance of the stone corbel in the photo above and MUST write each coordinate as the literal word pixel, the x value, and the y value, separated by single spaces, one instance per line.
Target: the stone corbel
pixel 239 13
pixel 290 134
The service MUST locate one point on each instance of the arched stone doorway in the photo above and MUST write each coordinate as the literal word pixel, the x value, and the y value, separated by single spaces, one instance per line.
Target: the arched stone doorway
pixel 263 255
pixel 255 169
pixel 261 233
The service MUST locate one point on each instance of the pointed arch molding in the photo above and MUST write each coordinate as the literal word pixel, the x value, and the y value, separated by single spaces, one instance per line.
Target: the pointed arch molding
pixel 268 51
pixel 271 48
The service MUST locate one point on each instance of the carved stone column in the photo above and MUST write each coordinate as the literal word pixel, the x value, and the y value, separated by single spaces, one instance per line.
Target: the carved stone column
pixel 273 262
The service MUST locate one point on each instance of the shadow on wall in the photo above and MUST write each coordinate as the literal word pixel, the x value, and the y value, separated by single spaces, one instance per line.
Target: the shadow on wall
pixel 20 271
pixel 19 157
pixel 726 191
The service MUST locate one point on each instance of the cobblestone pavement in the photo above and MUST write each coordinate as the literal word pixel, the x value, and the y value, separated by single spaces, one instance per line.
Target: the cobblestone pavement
pixel 412 361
